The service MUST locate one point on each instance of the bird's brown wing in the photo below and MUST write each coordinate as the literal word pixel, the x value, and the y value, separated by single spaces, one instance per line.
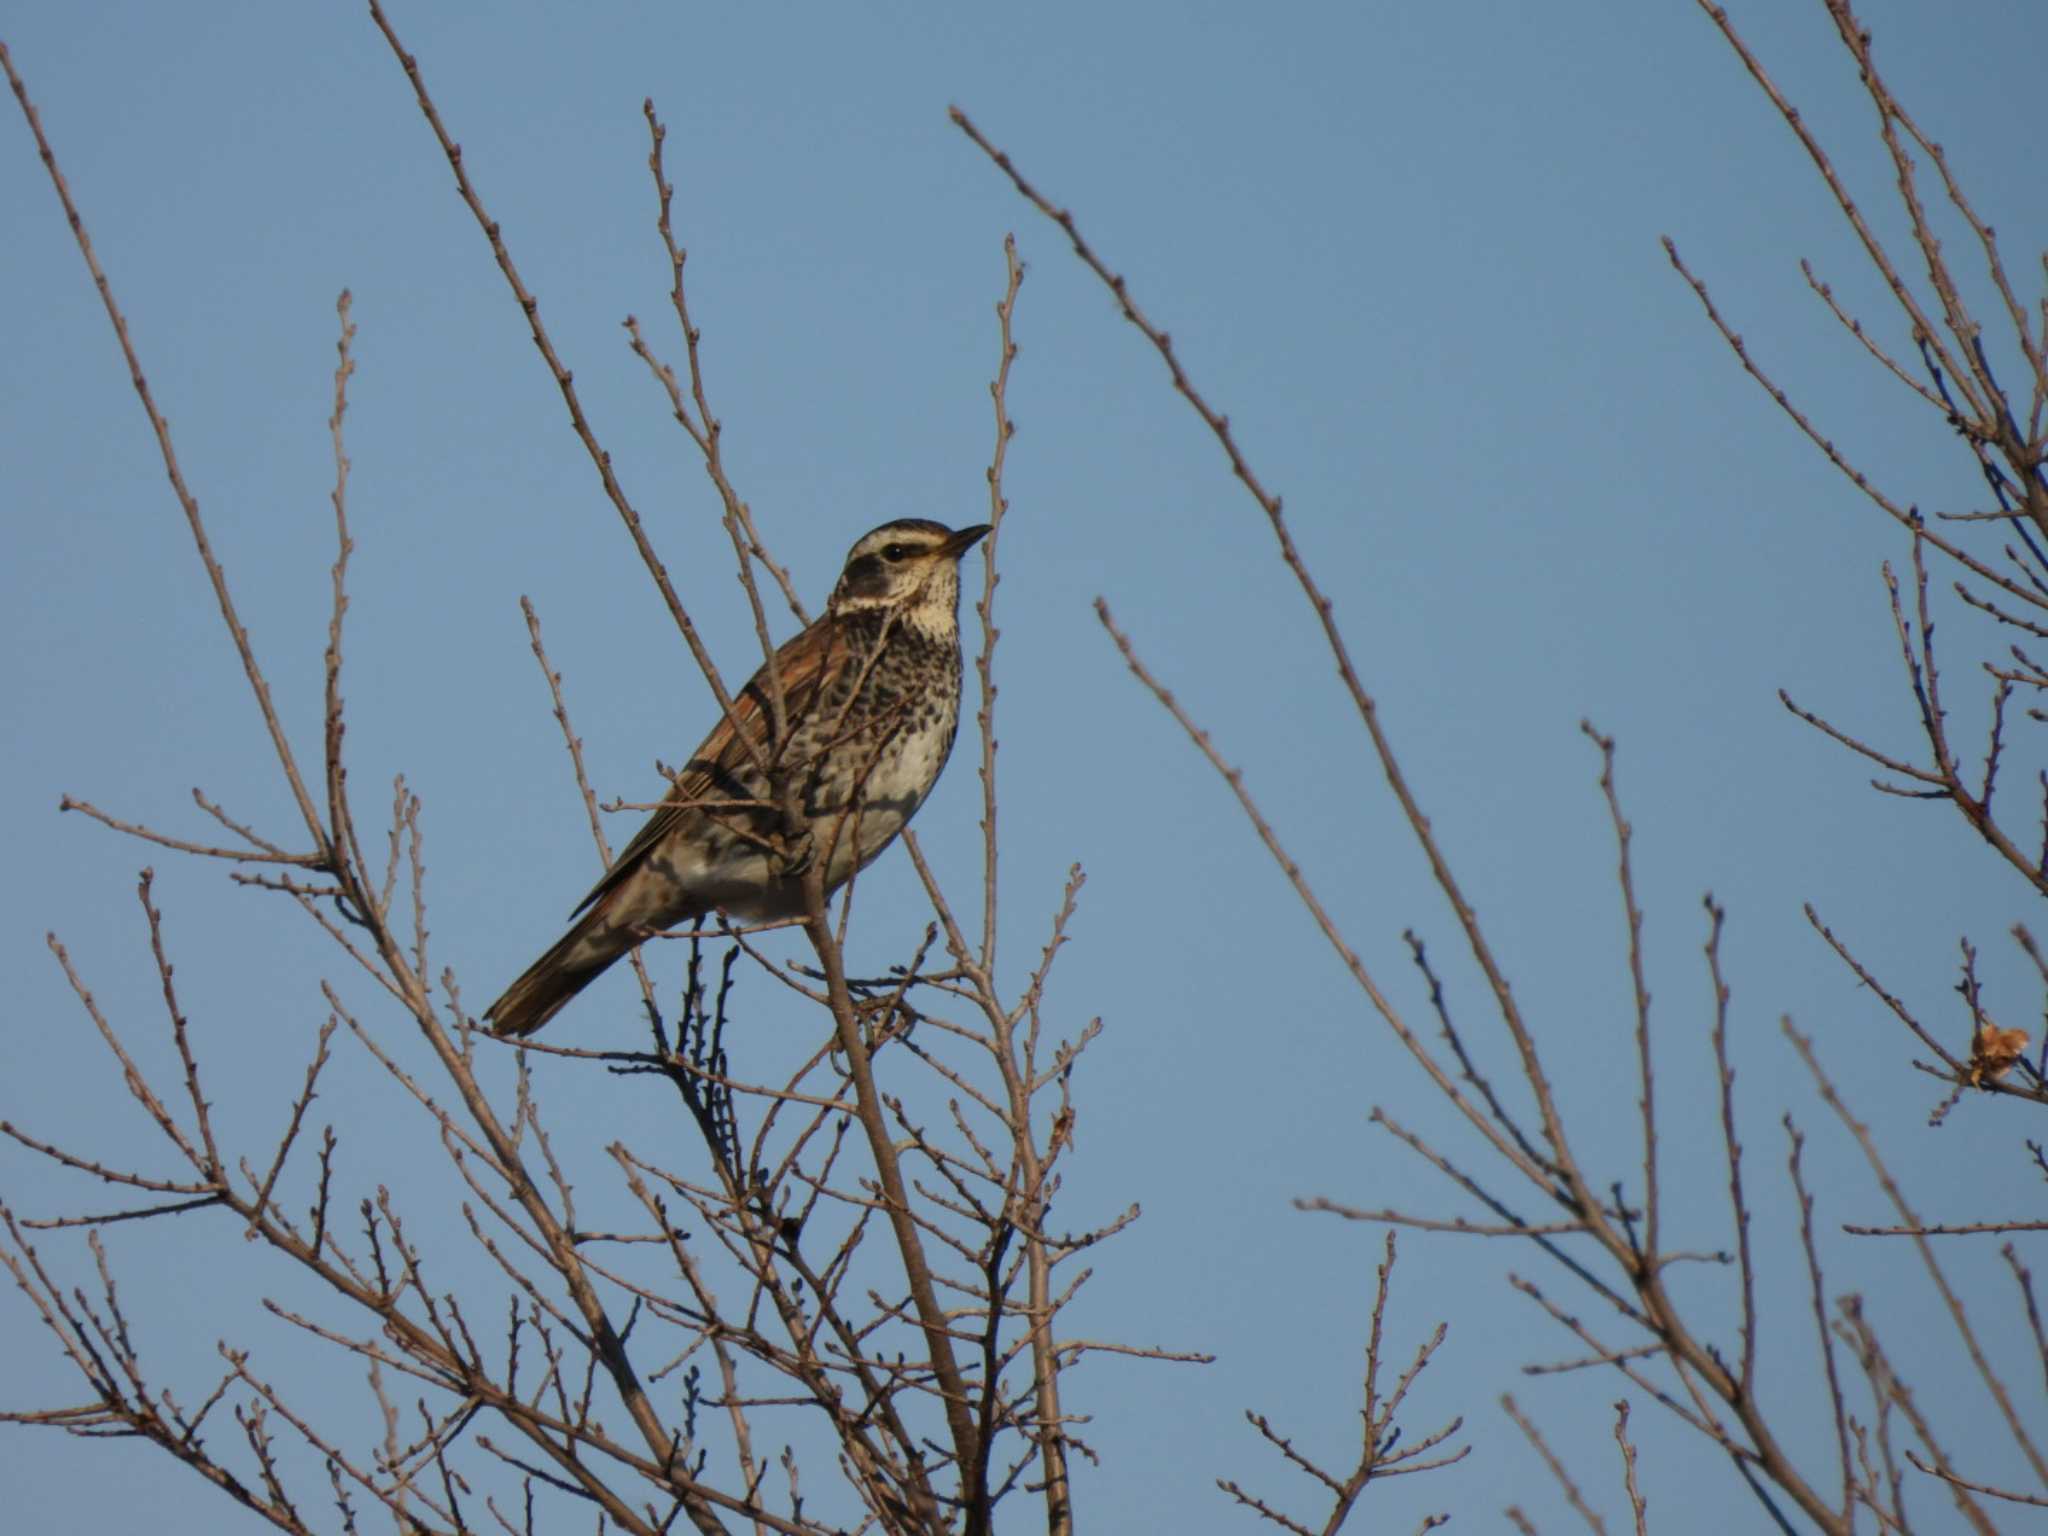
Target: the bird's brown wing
pixel 713 772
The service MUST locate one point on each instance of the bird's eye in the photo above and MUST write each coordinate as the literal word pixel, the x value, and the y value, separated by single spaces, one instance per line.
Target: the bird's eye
pixel 895 552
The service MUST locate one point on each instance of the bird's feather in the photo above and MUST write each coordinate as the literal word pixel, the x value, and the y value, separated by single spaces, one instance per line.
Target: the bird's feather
pixel 801 664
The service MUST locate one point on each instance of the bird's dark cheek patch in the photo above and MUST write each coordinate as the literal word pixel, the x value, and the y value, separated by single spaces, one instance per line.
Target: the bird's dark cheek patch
pixel 865 577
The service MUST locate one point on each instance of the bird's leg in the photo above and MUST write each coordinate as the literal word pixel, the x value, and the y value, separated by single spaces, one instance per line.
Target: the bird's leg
pixel 798 854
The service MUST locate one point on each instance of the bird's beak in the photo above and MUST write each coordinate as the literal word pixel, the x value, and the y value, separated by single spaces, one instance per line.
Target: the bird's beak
pixel 963 541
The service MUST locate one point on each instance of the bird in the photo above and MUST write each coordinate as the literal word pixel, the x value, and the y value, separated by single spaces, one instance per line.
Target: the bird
pixel 871 701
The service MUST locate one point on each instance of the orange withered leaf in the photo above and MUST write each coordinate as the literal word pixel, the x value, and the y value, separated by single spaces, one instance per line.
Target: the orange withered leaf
pixel 1993 1051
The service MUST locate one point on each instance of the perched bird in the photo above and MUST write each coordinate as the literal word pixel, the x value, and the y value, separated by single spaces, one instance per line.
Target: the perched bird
pixel 871 699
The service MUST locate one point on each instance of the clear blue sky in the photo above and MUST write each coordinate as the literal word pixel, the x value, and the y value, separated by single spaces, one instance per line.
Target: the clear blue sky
pixel 1412 249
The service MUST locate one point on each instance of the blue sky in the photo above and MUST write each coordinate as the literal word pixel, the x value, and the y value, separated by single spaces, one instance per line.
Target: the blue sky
pixel 1412 250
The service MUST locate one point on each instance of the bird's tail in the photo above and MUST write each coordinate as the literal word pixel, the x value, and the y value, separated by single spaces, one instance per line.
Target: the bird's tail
pixel 582 955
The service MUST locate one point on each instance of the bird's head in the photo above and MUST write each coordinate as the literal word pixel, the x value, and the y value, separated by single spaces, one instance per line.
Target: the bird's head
pixel 911 566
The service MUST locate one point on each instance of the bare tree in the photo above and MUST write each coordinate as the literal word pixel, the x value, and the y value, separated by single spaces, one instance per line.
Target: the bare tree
pixel 831 1265
pixel 828 1270
pixel 1606 1231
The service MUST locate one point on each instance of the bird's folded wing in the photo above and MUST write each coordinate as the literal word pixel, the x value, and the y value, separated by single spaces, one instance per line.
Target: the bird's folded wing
pixel 713 775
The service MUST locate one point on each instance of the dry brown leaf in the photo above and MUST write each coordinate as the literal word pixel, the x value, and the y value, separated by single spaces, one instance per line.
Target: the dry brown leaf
pixel 1993 1052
